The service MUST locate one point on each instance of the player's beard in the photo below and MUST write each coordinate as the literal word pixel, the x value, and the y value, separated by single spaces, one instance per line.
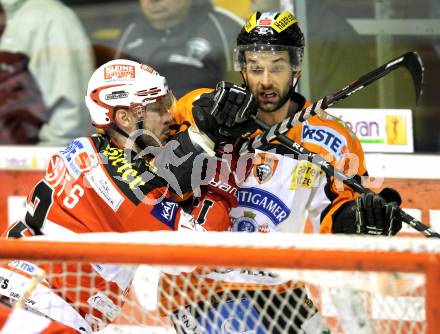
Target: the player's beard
pixel 274 107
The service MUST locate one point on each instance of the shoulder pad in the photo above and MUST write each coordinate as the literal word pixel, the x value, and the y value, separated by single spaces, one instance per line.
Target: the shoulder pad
pixel 79 156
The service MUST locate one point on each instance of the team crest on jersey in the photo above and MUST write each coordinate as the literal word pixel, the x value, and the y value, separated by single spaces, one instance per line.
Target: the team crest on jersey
pixel 265 165
pixel 246 223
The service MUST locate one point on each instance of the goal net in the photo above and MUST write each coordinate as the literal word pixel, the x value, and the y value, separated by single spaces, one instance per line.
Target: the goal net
pixel 167 282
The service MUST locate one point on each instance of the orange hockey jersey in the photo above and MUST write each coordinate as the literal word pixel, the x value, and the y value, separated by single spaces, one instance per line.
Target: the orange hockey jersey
pixel 276 197
pixel 95 186
pixel 328 137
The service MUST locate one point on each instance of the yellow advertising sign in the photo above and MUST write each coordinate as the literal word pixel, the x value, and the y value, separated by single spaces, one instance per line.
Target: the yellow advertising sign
pixel 396 129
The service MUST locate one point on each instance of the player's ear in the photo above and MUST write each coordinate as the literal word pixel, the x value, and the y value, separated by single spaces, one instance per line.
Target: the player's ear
pixel 123 118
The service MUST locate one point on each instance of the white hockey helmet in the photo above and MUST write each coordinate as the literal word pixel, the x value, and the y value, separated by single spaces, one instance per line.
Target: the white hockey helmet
pixel 127 84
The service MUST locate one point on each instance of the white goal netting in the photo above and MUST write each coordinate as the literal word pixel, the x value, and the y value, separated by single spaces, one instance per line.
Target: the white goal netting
pixel 165 282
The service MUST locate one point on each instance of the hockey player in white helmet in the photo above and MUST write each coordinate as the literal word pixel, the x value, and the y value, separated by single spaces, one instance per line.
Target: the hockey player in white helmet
pixel 123 179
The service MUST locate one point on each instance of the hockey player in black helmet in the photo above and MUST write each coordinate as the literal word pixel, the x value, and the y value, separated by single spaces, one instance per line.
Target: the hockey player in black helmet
pixel 270 47
pixel 269 56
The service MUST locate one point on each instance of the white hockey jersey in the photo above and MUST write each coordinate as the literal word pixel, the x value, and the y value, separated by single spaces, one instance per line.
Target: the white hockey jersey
pixel 278 193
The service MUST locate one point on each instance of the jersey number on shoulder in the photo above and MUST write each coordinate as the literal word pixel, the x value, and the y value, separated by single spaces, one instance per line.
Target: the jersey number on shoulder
pixel 206 205
pixel 42 200
pixel 39 205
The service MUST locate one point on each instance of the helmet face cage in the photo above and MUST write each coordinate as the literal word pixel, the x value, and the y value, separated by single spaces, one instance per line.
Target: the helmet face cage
pixel 244 53
pixel 270 32
pixel 158 105
pixel 126 84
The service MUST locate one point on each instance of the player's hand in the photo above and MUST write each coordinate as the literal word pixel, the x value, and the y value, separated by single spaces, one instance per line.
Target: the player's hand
pixel 376 216
pixel 224 114
pixel 370 213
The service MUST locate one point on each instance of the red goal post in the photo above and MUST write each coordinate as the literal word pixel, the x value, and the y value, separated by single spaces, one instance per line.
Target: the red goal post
pixel 316 260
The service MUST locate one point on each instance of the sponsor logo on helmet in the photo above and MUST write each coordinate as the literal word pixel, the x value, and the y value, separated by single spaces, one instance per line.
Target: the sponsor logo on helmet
pixel 116 95
pixel 147 92
pixel 251 22
pixel 149 69
pixel 119 72
pixel 265 22
pixel 264 30
pixel 283 21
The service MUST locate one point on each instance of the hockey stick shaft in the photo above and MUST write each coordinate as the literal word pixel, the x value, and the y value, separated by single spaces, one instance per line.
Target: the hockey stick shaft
pixel 411 61
pixel 341 176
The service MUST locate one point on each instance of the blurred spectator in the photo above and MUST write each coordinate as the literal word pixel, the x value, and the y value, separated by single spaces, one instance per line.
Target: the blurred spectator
pixel 189 41
pixel 60 59
pixel 265 5
pixel 22 110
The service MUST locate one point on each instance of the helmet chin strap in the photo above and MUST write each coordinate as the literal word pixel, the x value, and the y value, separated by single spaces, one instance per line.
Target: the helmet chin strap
pixel 138 141
pixel 294 83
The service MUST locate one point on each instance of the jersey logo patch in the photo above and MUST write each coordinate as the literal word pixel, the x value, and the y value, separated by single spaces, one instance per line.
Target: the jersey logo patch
pixel 166 212
pixel 305 175
pixel 264 202
pixel 247 223
pixel 264 167
pixel 331 140
pixel 99 181
pixel 79 156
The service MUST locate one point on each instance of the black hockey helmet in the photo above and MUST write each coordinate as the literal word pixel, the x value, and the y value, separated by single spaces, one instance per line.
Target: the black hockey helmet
pixel 269 31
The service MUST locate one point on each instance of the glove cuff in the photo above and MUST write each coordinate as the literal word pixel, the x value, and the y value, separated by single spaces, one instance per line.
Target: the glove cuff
pixel 202 139
pixel 344 218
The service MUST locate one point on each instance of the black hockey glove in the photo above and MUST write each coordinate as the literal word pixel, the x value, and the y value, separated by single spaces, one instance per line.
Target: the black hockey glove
pixel 370 213
pixel 224 114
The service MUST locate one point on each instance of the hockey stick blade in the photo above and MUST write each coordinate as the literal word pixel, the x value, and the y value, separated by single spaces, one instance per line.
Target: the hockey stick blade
pixel 410 61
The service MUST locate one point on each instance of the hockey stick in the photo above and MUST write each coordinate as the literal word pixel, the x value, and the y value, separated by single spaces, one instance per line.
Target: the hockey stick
pixel 330 170
pixel 410 61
